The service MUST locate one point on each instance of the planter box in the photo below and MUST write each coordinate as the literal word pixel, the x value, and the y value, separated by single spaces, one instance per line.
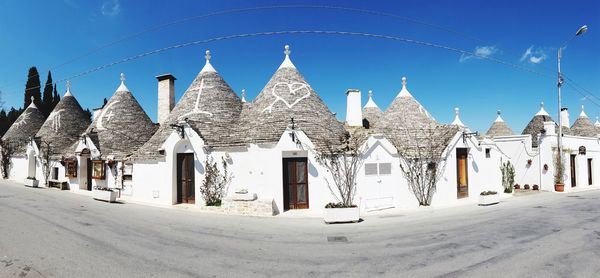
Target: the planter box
pixel 102 195
pixel 486 200
pixel 339 215
pixel 31 183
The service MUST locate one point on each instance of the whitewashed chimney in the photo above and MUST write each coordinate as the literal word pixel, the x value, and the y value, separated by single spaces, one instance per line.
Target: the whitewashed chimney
pixel 550 128
pixel 166 96
pixel 564 117
pixel 353 108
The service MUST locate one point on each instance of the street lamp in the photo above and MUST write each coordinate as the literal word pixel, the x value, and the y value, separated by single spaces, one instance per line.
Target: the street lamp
pixel 581 30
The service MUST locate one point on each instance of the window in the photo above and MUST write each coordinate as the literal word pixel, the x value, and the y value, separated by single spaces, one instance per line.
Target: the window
pixel 374 169
pixel 71 168
pixel 488 152
pixel 370 169
pixel 385 168
pixel 98 169
pixel 127 171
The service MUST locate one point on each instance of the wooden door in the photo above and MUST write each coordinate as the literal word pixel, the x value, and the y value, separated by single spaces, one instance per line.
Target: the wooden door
pixel 185 178
pixel 573 172
pixel 295 183
pixel 589 166
pixel 462 173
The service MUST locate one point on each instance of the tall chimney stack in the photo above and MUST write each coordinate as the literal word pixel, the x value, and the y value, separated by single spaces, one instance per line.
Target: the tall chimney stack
pixel 564 117
pixel 166 96
pixel 353 108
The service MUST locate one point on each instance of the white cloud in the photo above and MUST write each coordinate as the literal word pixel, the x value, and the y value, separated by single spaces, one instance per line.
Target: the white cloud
pixel 111 8
pixel 534 55
pixel 480 52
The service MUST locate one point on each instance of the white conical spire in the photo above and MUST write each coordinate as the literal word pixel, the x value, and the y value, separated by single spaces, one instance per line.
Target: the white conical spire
pixel 457 120
pixel 542 111
pixel 370 102
pixel 287 63
pixel 68 93
pixel 32 105
pixel 243 95
pixel 208 67
pixel 404 92
pixel 499 118
pixel 122 87
pixel 582 114
pixel 597 124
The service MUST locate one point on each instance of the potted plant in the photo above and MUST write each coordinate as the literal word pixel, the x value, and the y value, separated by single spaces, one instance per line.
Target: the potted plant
pixel 339 212
pixel 343 160
pixel 517 186
pixel 536 187
pixel 104 194
pixel 508 176
pixel 31 182
pixel 529 161
pixel 526 186
pixel 559 169
pixel 487 198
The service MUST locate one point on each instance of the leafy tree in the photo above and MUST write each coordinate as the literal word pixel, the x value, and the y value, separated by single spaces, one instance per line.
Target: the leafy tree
pixel 215 182
pixel 48 99
pixel 6 152
pixel 4 123
pixel 32 88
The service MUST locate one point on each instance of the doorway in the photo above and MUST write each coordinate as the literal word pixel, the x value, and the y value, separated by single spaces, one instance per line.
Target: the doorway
pixel 88 170
pixel 462 173
pixel 590 173
pixel 295 183
pixel 573 172
pixel 186 178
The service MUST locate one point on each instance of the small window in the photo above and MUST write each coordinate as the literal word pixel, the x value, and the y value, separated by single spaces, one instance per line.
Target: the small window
pixel 98 169
pixel 370 169
pixel 488 153
pixel 71 168
pixel 127 172
pixel 385 168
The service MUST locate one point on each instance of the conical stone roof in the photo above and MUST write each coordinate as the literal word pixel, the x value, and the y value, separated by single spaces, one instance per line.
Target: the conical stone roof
pixel 405 112
pixel 499 128
pixel 287 95
pixel 371 112
pixel 24 129
pixel 211 109
pixel 122 126
pixel 536 125
pixel 583 126
pixel 64 125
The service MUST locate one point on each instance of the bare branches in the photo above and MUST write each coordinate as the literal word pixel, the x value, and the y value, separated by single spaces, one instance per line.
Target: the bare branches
pixel 215 182
pixel 422 159
pixel 47 152
pixel 343 160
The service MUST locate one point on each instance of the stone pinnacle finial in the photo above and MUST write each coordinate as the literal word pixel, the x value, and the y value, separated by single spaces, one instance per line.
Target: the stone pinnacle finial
pixel 498 112
pixel 287 50
pixel 542 104
pixel 68 85
pixel 207 55
pixel 122 77
pixel 457 111
pixel 403 81
pixel 582 107
pixel 243 95
pixel 370 93
pixel 32 98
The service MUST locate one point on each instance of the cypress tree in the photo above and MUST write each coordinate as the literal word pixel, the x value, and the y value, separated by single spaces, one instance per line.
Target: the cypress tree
pixel 48 99
pixel 32 88
pixel 55 98
pixel 4 124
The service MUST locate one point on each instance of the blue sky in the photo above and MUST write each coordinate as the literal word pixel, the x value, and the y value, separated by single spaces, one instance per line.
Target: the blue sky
pixel 48 33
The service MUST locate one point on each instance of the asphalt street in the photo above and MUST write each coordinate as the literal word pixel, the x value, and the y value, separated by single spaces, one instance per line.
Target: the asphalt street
pixel 51 233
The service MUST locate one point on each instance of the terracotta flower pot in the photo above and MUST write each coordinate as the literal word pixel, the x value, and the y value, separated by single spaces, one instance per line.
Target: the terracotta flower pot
pixel 559 187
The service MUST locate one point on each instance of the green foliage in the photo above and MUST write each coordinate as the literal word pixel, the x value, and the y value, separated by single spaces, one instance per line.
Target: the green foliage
pixel 32 88
pixel 489 192
pixel 47 97
pixel 508 176
pixel 559 168
pixel 6 152
pixel 339 205
pixel 215 182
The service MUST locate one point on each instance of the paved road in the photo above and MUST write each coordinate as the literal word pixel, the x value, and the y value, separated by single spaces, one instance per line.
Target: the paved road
pixel 49 233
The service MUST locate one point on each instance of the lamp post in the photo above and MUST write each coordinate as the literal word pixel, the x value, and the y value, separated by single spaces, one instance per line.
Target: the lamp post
pixel 581 30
